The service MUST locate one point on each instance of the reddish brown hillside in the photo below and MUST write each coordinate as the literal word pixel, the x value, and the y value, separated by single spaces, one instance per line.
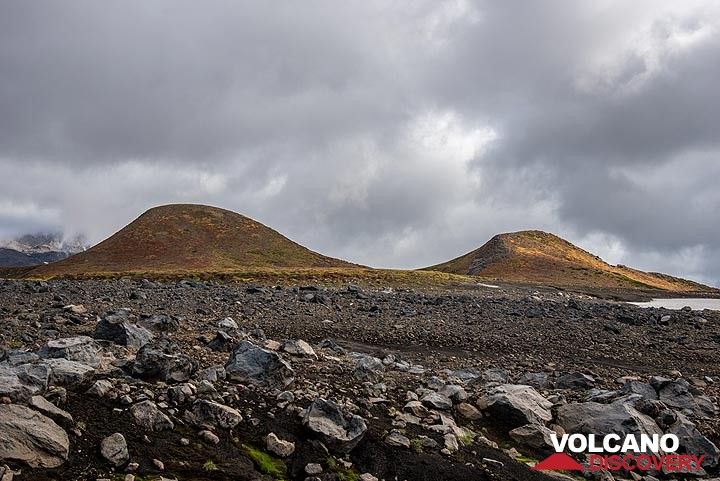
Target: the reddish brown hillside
pixel 194 238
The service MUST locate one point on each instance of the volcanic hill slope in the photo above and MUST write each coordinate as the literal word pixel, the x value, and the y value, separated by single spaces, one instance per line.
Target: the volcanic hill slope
pixel 190 238
pixel 536 257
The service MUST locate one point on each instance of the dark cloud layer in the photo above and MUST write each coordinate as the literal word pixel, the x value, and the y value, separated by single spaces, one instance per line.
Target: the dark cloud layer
pixel 391 133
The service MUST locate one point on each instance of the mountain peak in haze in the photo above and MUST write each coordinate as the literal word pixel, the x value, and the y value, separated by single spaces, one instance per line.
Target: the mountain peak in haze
pixel 191 238
pixel 38 248
pixel 537 257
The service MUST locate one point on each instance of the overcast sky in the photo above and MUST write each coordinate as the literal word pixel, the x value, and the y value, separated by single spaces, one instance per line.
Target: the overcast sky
pixel 394 133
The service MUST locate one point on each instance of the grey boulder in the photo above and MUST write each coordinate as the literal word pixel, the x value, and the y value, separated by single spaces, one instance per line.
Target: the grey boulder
pixel 338 432
pixel 367 368
pixel 694 442
pixel 679 395
pixel 68 373
pixel 21 383
pixel 514 405
pixel 211 415
pixel 114 449
pixel 116 327
pixel 162 360
pixel 534 436
pixel 29 437
pixel 436 400
pixel 222 342
pixel 298 347
pixel 249 363
pixel 81 349
pixel 619 417
pixel 148 416
pixel 575 380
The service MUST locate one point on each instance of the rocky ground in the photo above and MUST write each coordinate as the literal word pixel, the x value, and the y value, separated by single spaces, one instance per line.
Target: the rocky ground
pixel 189 380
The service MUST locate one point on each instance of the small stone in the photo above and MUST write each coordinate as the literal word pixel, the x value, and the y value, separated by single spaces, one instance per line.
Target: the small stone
pixel 158 464
pixel 49 409
pixel 114 449
pixel 227 323
pixel 437 401
pixel 298 347
pixel 184 442
pixel 101 388
pixel 148 416
pixel 367 477
pixel 279 446
pixel 398 440
pixel 451 443
pixel 468 411
pixel 209 437
pixel 313 468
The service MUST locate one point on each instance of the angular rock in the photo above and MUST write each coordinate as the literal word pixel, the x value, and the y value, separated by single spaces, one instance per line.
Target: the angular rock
pixel 640 388
pixel 100 388
pixel 538 380
pixel 161 323
pixel 116 327
pixel 451 443
pixel 211 415
pixel 114 449
pixel 533 436
pixel 148 416
pixel 398 440
pixel 29 437
pixel 298 347
pixel 180 394
pixel 436 400
pixel 15 357
pixel 468 411
pixel 619 417
pixel 694 442
pixel 44 406
pixel 279 446
pixel 82 349
pixel 19 388
pixel 367 368
pixel 222 342
pixel 163 360
pixel 454 392
pixel 326 419
pixel 68 373
pixel 228 324
pixel 249 363
pixel 496 374
pixel 416 408
pixel 575 380
pixel 678 394
pixel 514 405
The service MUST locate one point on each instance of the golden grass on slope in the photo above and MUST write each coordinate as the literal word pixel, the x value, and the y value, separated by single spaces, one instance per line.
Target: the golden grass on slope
pixel 535 257
pixel 324 276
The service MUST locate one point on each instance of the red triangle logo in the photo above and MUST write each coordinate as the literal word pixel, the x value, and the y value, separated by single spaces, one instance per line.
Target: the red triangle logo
pixel 558 462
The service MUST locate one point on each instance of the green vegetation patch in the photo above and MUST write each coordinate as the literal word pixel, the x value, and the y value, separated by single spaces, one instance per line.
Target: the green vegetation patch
pixel 266 463
pixel 342 473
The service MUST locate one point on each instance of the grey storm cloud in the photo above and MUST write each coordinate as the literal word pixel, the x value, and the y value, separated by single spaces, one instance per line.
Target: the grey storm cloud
pixel 394 134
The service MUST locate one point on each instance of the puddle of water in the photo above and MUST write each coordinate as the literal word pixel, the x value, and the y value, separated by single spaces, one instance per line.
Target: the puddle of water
pixel 697 304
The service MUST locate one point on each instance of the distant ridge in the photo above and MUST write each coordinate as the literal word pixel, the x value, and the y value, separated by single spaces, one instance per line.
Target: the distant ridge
pixel 190 238
pixel 37 249
pixel 537 257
